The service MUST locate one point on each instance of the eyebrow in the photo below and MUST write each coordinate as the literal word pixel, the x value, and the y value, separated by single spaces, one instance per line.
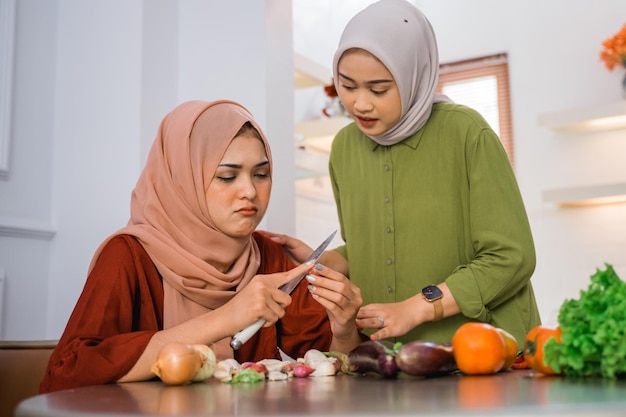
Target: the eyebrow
pixel 238 166
pixel 372 82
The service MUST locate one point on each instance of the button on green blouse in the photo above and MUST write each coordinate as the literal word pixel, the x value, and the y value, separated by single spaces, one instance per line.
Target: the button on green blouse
pixel 442 205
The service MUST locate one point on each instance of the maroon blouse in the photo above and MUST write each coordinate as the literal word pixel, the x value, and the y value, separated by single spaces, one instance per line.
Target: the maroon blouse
pixel 121 307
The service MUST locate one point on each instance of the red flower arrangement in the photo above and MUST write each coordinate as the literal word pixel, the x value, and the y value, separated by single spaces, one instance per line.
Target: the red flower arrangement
pixel 334 106
pixel 614 50
pixel 330 90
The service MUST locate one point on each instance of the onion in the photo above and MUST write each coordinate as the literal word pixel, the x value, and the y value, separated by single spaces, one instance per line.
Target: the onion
pixel 302 371
pixel 208 363
pixel 177 363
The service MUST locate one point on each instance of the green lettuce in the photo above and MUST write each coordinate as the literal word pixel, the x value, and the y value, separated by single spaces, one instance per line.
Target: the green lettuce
pixel 247 376
pixel 593 342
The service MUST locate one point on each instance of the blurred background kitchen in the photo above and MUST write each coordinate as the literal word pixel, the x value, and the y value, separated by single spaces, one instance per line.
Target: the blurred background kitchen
pixel 84 84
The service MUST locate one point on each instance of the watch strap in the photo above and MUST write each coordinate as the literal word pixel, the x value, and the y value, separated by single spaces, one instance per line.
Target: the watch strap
pixel 433 295
pixel 438 309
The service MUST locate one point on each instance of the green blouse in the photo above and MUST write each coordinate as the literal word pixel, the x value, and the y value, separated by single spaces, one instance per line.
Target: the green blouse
pixel 442 205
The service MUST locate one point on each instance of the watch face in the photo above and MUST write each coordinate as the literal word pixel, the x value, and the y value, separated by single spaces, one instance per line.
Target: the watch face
pixel 432 293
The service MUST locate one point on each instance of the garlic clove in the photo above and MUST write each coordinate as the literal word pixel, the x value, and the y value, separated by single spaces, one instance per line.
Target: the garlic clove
pixel 272 364
pixel 313 357
pixel 325 368
pixel 277 376
pixel 226 369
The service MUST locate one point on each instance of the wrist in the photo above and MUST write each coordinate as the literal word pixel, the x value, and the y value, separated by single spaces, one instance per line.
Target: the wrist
pixel 433 295
pixel 346 341
pixel 419 311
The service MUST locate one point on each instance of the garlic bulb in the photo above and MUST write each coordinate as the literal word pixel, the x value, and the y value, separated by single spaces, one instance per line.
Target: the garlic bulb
pixel 322 364
pixel 325 368
pixel 313 357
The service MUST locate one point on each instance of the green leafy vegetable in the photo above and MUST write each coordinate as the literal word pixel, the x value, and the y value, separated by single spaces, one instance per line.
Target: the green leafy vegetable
pixel 247 376
pixel 593 342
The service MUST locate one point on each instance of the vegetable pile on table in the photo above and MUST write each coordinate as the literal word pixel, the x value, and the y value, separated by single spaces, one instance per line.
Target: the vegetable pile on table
pixel 416 358
pixel 179 363
pixel 314 364
pixel 474 345
pixel 589 341
pixel 475 349
pixel 593 330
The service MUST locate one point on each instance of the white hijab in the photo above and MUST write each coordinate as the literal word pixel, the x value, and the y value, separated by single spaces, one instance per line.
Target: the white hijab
pixel 401 37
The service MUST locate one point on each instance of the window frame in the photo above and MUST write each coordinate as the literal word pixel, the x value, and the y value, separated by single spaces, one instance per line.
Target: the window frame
pixel 492 65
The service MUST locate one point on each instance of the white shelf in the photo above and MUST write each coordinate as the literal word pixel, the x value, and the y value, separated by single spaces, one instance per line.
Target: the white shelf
pixel 314 139
pixel 587 195
pixel 597 118
pixel 591 119
pixel 308 73
pixel 317 135
pixel 310 164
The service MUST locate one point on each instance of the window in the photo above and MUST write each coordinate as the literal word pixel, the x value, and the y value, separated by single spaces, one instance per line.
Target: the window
pixel 483 84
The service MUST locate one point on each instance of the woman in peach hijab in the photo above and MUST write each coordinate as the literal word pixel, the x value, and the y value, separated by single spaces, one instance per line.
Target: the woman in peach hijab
pixel 189 266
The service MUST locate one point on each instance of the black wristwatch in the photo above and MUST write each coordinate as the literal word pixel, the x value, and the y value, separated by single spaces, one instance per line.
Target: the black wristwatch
pixel 433 295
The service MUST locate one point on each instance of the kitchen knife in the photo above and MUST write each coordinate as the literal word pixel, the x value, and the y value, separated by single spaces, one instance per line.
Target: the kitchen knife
pixel 244 335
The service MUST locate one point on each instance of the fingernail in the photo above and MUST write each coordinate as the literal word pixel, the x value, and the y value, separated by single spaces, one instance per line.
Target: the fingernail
pixel 310 278
pixel 319 267
pixel 311 288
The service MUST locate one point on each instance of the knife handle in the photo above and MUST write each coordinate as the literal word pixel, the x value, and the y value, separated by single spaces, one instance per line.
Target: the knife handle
pixel 244 335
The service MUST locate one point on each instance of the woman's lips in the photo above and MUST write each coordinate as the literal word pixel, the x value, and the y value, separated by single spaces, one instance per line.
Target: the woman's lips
pixel 367 122
pixel 247 211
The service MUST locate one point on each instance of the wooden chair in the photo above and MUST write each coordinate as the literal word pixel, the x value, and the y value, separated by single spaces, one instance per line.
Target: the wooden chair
pixel 22 366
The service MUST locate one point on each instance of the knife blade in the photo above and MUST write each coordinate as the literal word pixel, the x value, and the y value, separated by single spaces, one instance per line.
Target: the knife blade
pixel 244 335
pixel 291 285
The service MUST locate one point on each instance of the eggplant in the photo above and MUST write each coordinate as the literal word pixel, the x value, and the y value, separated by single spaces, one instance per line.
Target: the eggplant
pixel 425 358
pixel 374 356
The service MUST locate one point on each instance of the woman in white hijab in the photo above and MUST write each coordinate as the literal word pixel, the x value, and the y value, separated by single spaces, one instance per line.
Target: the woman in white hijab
pixel 435 229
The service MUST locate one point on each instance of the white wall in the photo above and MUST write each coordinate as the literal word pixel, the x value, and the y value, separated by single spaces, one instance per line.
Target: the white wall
pixel 92 81
pixel 553 48
pixel 26 195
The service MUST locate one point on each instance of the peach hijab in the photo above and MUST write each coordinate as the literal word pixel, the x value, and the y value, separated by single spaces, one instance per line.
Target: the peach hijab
pixel 402 38
pixel 202 268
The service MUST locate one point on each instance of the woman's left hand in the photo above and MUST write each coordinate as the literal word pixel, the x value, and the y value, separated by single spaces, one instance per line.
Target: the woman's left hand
pixel 339 296
pixel 389 320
